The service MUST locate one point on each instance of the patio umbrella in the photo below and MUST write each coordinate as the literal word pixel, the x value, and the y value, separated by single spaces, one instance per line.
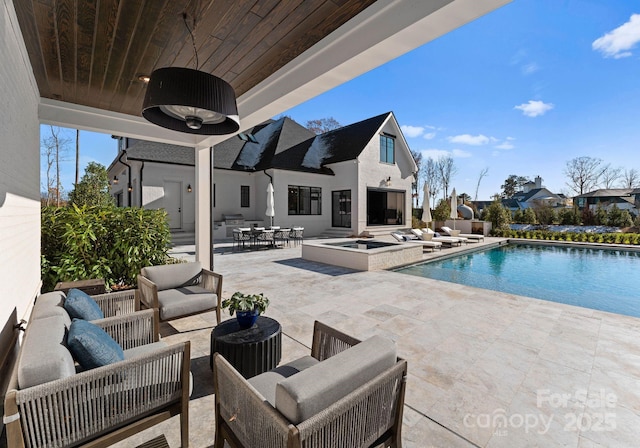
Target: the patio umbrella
pixel 454 207
pixel 426 207
pixel 271 212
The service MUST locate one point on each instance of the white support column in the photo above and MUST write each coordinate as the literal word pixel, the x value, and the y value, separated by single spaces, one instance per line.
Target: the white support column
pixel 204 246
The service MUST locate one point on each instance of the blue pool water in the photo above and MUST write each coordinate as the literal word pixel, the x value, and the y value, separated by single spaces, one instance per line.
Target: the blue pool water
pixel 607 280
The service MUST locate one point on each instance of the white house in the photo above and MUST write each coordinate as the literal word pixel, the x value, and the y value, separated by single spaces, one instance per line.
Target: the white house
pixel 353 179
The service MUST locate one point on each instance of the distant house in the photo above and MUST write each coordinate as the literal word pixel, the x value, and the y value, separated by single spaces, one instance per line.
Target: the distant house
pixel 623 198
pixel 533 194
pixel 348 180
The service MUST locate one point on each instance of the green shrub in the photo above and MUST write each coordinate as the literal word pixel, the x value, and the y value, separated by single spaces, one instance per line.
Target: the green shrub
pixel 80 243
pixel 545 214
pixel 607 238
pixel 442 211
pixel 529 216
pixel 499 216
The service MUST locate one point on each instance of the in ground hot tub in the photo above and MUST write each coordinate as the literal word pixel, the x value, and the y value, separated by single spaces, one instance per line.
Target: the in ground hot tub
pixel 363 255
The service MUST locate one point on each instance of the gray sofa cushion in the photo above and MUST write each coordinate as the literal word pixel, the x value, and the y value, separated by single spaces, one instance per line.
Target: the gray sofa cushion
pixel 182 301
pixel 173 275
pixel 43 355
pixel 50 304
pixel 316 388
pixel 265 383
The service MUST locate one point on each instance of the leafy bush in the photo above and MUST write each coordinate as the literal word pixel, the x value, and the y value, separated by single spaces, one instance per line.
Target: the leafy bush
pixel 545 214
pixel 80 243
pixel 529 216
pixel 499 216
pixel 570 217
pixel 607 238
pixel 619 218
pixel 442 211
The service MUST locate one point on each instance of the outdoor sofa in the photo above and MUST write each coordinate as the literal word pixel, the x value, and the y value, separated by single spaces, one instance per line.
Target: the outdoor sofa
pixel 56 400
pixel 347 394
pixel 179 290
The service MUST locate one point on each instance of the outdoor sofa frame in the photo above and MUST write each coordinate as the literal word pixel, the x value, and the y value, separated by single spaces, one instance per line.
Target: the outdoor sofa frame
pixel 99 407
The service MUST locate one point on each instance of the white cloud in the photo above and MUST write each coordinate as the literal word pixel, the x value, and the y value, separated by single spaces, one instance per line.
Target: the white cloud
pixel 618 43
pixel 530 68
pixel 437 153
pixel 412 131
pixel 534 108
pixel 429 135
pixel 461 154
pixel 506 144
pixel 467 139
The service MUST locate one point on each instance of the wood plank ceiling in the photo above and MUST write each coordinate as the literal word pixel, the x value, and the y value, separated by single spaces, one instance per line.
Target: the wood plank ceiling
pixel 91 52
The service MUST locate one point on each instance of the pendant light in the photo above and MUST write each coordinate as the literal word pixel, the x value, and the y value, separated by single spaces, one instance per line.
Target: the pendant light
pixel 191 101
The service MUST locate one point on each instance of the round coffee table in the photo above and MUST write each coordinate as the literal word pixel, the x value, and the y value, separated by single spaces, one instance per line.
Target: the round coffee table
pixel 251 351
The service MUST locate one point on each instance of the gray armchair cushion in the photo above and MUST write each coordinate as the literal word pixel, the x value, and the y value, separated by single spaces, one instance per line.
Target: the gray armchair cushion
pixel 43 355
pixel 51 304
pixel 170 276
pixel 183 301
pixel 143 349
pixel 265 383
pixel 316 388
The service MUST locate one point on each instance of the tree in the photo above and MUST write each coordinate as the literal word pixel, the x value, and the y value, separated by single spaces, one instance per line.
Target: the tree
pixel 446 169
pixel 442 211
pixel 499 216
pixel 483 173
pixel 630 178
pixel 583 173
pixel 529 216
pixel 322 125
pixel 93 188
pixel 512 185
pixel 54 147
pixel 417 157
pixel 609 176
pixel 432 177
pixel 465 197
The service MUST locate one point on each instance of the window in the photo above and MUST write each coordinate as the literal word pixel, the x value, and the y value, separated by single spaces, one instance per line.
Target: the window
pixel 387 149
pixel 305 200
pixel 244 196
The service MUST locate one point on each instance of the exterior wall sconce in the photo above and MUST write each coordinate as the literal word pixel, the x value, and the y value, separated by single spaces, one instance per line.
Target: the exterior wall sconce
pixel 388 181
pixel 115 180
pixel 189 189
pixel 129 187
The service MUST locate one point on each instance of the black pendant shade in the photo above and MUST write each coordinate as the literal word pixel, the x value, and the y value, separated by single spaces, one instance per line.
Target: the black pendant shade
pixel 187 100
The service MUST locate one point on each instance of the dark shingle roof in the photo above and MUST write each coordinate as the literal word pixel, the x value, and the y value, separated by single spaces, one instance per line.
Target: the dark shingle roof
pixel 607 193
pixel 161 153
pixel 282 144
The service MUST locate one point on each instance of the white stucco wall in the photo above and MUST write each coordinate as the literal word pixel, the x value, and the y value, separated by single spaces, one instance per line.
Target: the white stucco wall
pixel 19 173
pixel 227 198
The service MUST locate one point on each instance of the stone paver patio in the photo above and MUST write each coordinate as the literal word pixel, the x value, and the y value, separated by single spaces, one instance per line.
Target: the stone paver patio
pixel 486 369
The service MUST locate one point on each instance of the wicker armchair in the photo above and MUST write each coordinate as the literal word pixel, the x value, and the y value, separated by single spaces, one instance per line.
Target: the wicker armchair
pixel 102 406
pixel 179 290
pixel 370 415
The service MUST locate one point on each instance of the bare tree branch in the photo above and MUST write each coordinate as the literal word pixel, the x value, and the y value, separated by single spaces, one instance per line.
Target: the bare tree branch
pixel 630 178
pixel 609 176
pixel 583 173
pixel 483 173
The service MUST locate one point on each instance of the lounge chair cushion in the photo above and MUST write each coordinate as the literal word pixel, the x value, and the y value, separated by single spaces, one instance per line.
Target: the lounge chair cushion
pixel 316 388
pixel 91 346
pixel 50 304
pixel 265 383
pixel 43 356
pixel 183 301
pixel 173 275
pixel 80 305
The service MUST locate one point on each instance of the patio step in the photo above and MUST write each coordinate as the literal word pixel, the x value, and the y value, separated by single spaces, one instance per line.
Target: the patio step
pixel 336 233
pixel 182 238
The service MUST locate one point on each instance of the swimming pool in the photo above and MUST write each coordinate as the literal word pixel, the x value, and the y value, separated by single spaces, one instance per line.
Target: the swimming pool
pixel 601 279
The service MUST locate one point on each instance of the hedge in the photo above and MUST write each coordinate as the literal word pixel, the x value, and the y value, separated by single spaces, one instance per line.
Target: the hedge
pixel 113 243
pixel 581 237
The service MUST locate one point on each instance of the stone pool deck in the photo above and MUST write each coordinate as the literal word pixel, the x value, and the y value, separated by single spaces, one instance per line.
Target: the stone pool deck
pixel 486 369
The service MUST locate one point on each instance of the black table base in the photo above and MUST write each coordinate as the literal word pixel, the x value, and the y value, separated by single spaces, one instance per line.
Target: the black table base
pixel 251 351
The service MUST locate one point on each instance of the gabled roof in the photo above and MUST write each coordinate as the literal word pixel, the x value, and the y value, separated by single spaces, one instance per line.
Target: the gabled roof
pixel 524 197
pixel 608 193
pixel 282 144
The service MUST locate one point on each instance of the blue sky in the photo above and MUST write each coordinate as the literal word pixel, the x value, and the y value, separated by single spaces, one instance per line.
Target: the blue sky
pixel 521 91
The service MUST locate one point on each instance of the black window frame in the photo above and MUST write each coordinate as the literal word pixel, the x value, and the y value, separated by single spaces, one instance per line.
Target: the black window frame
pixel 387 143
pixel 300 194
pixel 245 195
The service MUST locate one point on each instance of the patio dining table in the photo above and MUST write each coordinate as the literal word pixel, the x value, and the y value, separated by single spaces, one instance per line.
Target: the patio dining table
pixel 270 238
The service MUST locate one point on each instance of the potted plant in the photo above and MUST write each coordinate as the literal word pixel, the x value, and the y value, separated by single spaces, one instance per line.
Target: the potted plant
pixel 247 307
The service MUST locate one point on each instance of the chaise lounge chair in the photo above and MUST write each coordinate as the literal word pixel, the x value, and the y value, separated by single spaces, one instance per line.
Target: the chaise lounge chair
pixel 470 236
pixel 448 240
pixel 412 239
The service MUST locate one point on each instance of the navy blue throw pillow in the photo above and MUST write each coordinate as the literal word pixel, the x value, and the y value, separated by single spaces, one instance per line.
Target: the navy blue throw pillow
pixel 80 305
pixel 91 346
